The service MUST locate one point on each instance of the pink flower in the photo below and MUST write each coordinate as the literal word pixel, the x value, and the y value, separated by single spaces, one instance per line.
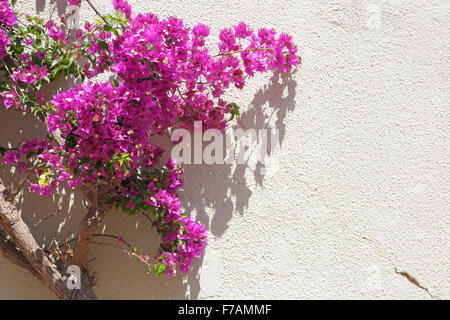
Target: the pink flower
pixel 9 98
pixel 201 30
pixel 123 6
pixel 55 32
pixel 11 157
pixel 30 74
pixel 22 167
pixel 130 205
pixel 242 30
pixel 4 43
pixel 7 16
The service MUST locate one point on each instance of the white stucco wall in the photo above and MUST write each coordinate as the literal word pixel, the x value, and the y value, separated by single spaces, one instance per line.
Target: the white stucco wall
pixel 360 186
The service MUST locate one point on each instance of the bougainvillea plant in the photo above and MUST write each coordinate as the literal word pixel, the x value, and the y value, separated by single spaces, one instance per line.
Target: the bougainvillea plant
pixel 100 134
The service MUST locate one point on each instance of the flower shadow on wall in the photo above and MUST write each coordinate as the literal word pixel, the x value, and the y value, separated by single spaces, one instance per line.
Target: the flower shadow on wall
pixel 223 187
pixel 58 5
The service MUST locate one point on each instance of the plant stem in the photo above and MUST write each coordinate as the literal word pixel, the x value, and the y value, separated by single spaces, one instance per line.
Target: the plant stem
pixel 241 50
pixel 24 181
pixel 96 11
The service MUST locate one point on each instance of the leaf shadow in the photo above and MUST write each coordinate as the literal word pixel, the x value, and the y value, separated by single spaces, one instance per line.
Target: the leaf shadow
pixel 223 188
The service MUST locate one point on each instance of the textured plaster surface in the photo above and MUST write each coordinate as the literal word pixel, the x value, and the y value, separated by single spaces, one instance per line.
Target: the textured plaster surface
pixel 356 204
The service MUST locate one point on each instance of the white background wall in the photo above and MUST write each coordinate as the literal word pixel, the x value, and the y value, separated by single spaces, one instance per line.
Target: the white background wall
pixel 360 185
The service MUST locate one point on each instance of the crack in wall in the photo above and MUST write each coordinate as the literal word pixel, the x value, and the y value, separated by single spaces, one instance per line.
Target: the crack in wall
pixel 404 274
pixel 413 280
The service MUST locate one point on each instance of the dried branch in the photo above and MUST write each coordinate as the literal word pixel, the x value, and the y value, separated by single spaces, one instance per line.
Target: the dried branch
pixel 23 182
pixel 149 219
pixel 130 253
pixel 10 252
pixel 96 11
pixel 97 211
pixel 46 218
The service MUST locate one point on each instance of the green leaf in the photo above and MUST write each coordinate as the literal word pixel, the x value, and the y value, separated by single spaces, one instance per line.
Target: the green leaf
pixel 93 59
pixel 55 62
pixel 55 72
pixel 235 110
pixel 18 49
pixel 115 83
pixel 116 33
pixel 160 268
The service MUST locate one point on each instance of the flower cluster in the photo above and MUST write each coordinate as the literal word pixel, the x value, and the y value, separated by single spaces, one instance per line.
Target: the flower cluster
pixel 42 166
pixel 9 99
pixel 55 32
pixel 124 7
pixel 183 239
pixel 164 77
pixel 30 74
pixel 7 15
pixel 7 19
pixel 169 62
pixel 4 42
pixel 105 130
